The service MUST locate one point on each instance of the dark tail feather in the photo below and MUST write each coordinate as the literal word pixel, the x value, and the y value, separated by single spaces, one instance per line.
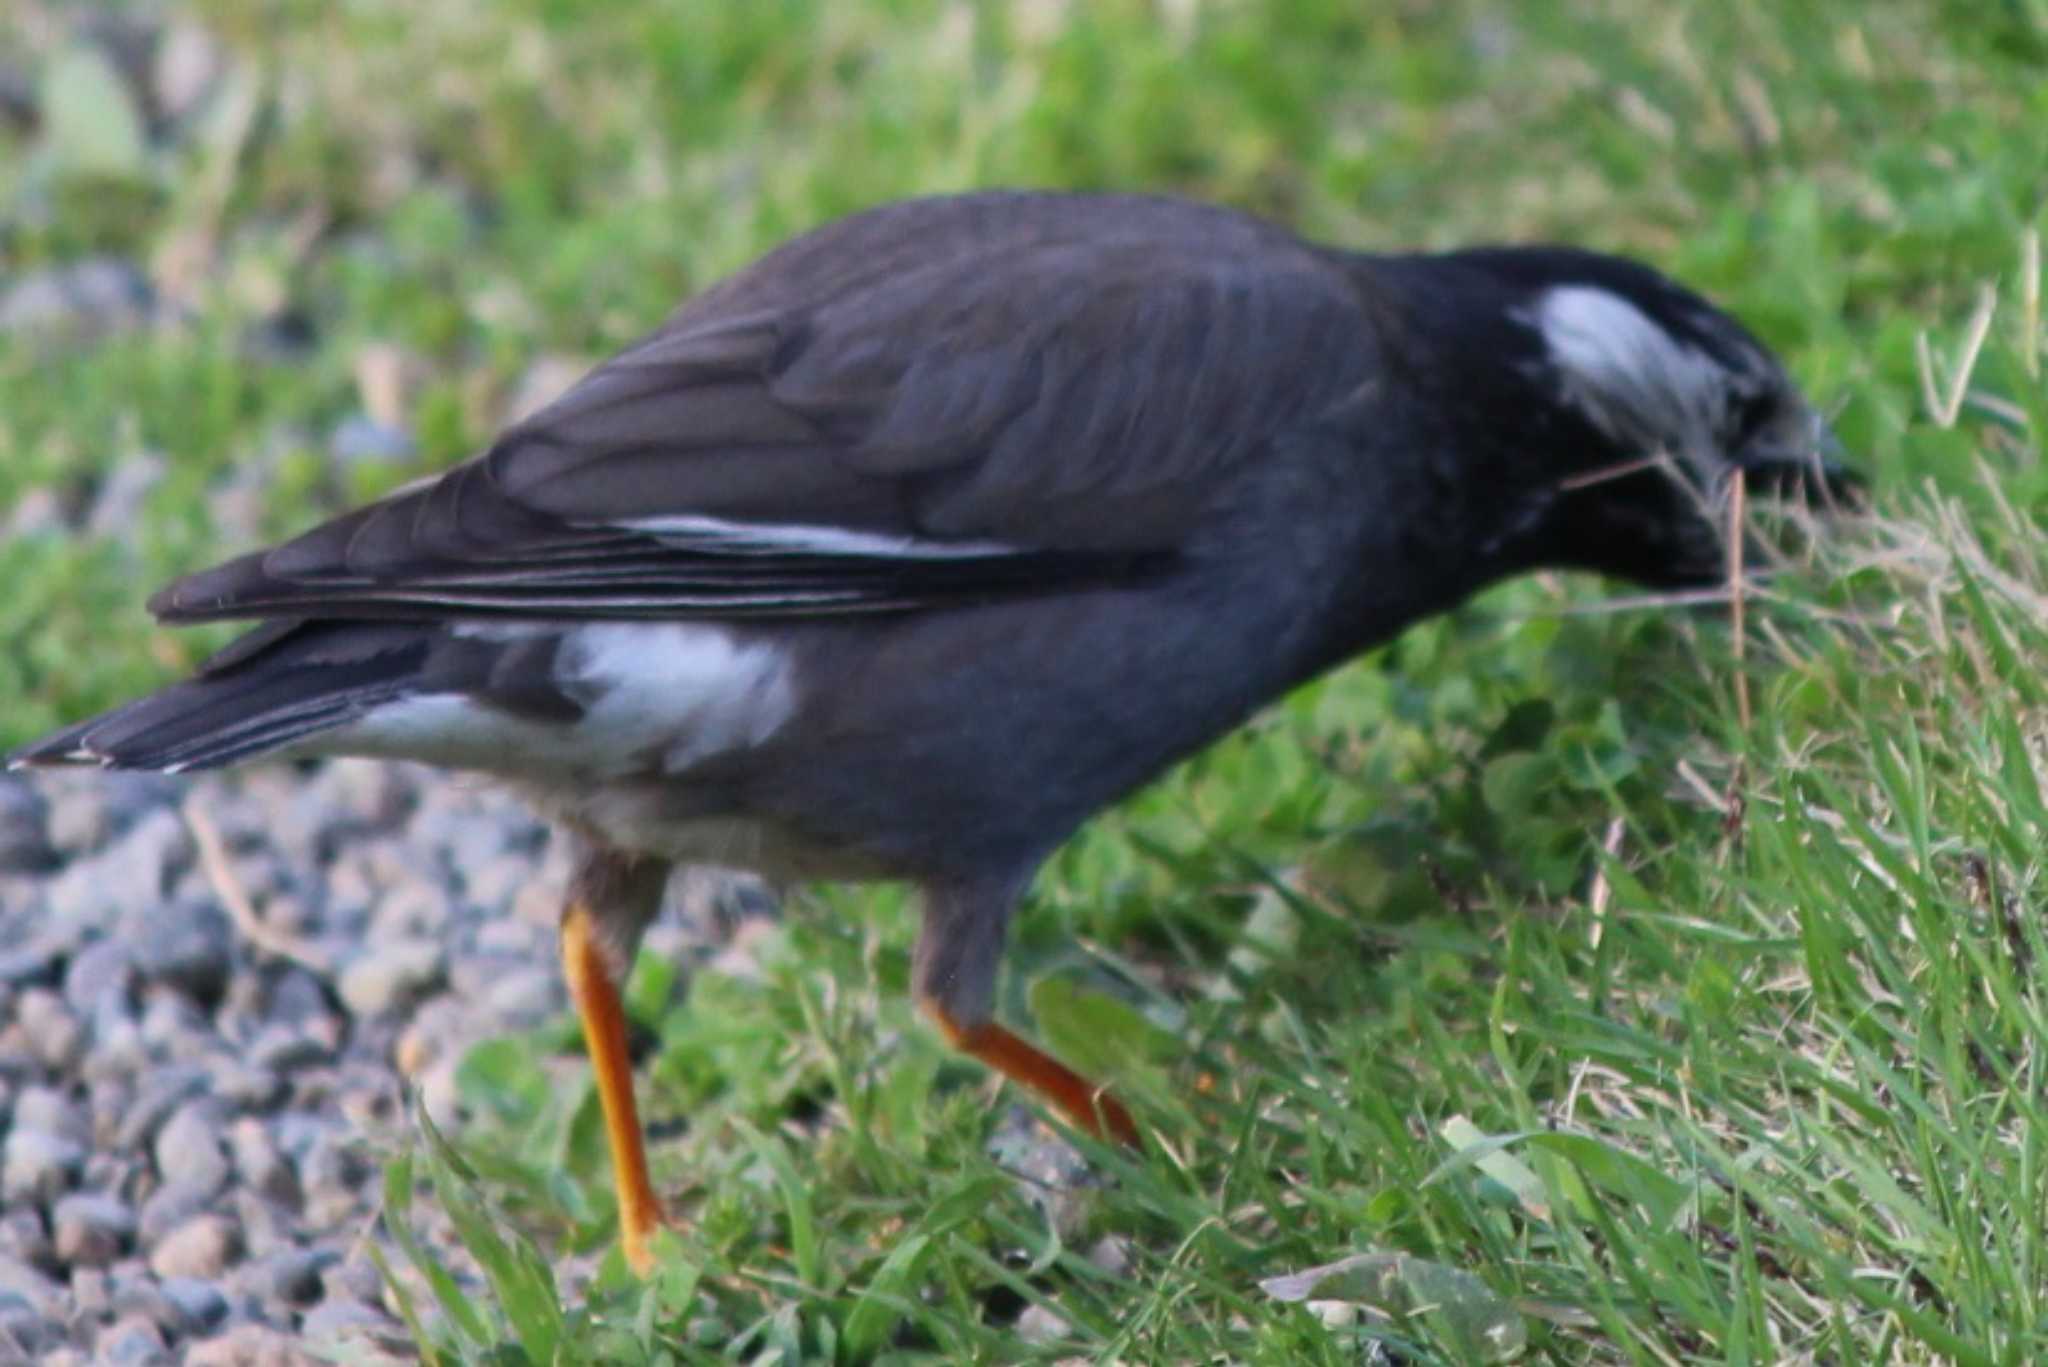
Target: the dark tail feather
pixel 288 682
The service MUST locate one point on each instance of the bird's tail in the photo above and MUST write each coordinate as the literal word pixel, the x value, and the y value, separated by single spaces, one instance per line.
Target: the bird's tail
pixel 277 686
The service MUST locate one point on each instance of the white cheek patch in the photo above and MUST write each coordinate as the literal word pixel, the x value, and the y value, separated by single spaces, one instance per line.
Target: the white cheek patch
pixel 665 694
pixel 1634 381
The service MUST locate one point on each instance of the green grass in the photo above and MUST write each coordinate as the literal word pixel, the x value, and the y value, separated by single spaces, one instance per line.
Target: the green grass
pixel 1509 949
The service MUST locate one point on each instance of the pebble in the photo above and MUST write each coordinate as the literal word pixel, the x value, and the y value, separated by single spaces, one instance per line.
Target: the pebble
pixel 38 1165
pixel 361 438
pixel 132 1341
pixel 391 973
pixel 345 1319
pixel 24 829
pixel 168 1208
pixel 51 1111
pixel 202 1247
pixel 117 508
pixel 250 1345
pixel 52 1030
pixel 200 1306
pixel 188 1148
pixel 161 1093
pixel 186 945
pixel 91 298
pixel 103 969
pixel 91 1229
pixel 192 1123
pixel 23 1282
pixel 258 1163
pixel 23 1237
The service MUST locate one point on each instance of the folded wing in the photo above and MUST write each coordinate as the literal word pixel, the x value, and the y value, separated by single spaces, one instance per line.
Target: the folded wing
pixel 940 402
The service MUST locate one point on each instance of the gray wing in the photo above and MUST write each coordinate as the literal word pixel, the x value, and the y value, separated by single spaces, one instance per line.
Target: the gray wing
pixel 935 402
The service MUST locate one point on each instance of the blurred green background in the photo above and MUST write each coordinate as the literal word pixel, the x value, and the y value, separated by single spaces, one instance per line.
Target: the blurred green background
pixel 261 260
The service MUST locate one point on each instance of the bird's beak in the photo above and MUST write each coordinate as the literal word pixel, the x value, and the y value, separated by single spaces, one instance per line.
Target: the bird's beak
pixel 1815 470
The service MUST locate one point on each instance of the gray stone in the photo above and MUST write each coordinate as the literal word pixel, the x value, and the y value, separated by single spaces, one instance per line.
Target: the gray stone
pixel 107 1099
pixel 117 508
pixel 169 1207
pixel 105 968
pixel 188 1148
pixel 201 1248
pixel 91 1229
pixel 131 1341
pixel 1038 1326
pixel 106 1171
pixel 244 1085
pixel 26 1335
pixel 92 1293
pixel 361 438
pixel 119 1053
pixel 23 1237
pixel 250 1345
pixel 392 973
pixel 291 1276
pixel 24 828
pixel 137 1293
pixel 19 1279
pixel 187 66
pixel 39 1166
pixel 90 298
pixel 80 819
pixel 187 944
pixel 32 963
pixel 298 998
pixel 259 1164
pixel 162 1092
pixel 287 1048
pixel 330 1320
pixel 38 512
pixel 54 1033
pixel 413 909
pixel 525 997
pixel 200 1306
pixel 267 1228
pixel 352 1278
pixel 173 1026
pixel 51 1111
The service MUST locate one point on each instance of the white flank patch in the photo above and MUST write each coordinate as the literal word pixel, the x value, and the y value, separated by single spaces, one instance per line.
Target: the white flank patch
pixel 1632 378
pixel 755 538
pixel 695 691
pixel 666 695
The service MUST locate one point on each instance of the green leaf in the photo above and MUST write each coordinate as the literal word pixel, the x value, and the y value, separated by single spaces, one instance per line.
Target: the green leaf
pixel 1479 1324
pixel 1489 1155
pixel 90 123
pixel 1096 1035
pixel 522 1280
pixel 887 1297
pixel 502 1078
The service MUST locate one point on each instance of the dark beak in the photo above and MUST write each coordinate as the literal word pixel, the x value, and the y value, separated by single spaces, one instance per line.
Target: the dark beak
pixel 1816 473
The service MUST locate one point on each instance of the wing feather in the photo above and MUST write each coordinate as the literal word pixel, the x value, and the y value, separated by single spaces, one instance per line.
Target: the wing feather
pixel 1038 399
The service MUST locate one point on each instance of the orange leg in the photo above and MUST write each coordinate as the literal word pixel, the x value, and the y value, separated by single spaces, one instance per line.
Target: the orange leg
pixel 604 1033
pixel 1084 1103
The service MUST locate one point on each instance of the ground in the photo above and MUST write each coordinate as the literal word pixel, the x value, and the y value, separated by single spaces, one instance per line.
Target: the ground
pixel 1628 982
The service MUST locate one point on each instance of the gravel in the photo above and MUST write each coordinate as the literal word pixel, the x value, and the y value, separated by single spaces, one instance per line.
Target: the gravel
pixel 192 1114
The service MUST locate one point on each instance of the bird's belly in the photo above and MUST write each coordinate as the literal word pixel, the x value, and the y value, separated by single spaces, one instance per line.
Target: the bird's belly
pixel 663 821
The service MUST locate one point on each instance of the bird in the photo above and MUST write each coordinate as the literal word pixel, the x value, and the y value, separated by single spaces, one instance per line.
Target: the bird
pixel 903 551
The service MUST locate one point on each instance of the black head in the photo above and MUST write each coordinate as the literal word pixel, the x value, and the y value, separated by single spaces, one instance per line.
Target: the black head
pixel 1641 400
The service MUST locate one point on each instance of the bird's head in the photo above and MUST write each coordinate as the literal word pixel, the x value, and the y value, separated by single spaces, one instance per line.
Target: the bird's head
pixel 1639 401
